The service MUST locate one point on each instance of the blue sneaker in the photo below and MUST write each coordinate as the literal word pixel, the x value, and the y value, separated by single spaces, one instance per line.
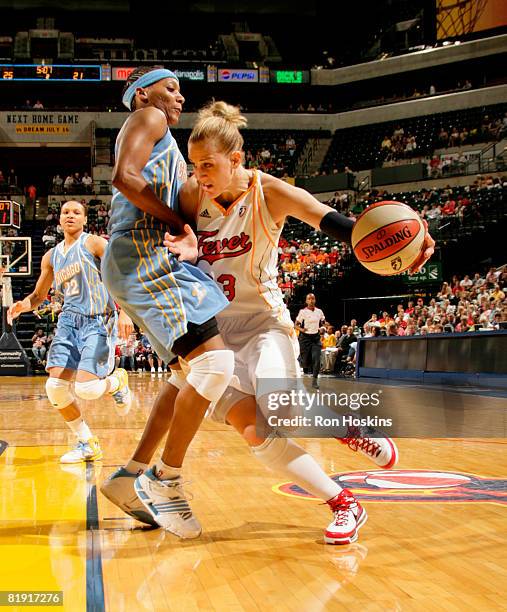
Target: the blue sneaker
pixel 165 500
pixel 119 490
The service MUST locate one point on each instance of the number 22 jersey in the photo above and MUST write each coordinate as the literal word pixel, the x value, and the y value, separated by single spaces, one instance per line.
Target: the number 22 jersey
pixel 77 277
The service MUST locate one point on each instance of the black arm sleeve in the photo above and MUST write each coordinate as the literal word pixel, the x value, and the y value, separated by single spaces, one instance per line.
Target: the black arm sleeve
pixel 337 226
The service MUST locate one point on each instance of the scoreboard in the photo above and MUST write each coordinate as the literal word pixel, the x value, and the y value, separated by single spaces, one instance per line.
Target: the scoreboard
pixel 50 72
pixel 10 214
pixel 106 72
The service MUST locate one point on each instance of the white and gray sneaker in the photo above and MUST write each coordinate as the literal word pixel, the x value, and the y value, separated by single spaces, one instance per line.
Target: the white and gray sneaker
pixel 166 502
pixel 119 489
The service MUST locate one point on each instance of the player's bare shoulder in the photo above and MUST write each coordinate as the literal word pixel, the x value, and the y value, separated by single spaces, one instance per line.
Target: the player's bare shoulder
pixel 278 196
pixel 149 119
pixel 96 245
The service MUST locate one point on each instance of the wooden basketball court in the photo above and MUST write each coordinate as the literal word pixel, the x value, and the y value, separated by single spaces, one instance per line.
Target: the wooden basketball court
pixel 435 538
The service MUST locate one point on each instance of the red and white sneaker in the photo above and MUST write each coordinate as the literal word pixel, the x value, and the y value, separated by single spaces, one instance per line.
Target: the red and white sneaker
pixel 349 516
pixel 372 443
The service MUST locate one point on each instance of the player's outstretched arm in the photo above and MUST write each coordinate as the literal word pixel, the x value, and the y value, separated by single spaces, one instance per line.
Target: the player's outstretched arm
pixel 38 295
pixel 285 200
pixel 137 138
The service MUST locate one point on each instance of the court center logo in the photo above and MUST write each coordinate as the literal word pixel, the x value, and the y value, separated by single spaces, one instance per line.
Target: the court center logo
pixel 413 486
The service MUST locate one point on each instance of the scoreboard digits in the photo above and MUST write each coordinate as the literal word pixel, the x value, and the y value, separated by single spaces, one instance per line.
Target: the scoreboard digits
pixel 10 214
pixel 50 72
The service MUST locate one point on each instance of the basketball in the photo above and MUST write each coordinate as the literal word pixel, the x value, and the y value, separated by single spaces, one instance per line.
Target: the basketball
pixel 387 238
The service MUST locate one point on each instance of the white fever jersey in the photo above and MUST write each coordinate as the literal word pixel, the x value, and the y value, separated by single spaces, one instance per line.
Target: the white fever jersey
pixel 77 276
pixel 238 247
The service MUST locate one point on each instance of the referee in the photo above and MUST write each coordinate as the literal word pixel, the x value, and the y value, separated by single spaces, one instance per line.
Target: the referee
pixel 308 322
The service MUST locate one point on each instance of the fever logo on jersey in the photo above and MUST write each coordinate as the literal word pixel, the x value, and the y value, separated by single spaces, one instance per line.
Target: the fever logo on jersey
pixel 213 250
pixel 414 486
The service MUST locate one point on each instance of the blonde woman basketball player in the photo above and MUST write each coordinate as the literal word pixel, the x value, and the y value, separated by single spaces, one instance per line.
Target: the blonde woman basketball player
pixel 239 215
pixel 83 347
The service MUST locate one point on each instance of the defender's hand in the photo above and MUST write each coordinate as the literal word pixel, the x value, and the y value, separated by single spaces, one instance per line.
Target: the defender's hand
pixel 183 246
pixel 125 325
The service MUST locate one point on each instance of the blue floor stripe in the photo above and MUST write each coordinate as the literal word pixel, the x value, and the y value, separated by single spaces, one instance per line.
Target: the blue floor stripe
pixel 94 578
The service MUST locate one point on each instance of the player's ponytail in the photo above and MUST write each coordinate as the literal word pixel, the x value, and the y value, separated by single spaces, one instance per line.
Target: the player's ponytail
pixel 220 122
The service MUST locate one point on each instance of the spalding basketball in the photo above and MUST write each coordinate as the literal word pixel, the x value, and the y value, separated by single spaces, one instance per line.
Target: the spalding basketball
pixel 387 238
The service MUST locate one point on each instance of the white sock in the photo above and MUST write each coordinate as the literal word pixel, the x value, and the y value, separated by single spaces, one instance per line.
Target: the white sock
pixel 136 467
pixel 287 457
pixel 114 383
pixel 166 472
pixel 81 429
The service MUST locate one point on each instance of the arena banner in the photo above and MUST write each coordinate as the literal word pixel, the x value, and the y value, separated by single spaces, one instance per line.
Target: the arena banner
pixel 191 73
pixel 237 75
pixel 26 126
pixel 430 273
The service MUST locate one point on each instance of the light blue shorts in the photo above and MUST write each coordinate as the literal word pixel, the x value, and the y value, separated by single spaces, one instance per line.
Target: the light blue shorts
pixel 159 293
pixel 84 343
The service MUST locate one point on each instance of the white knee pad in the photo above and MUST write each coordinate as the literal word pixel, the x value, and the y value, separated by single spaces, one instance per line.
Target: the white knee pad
pixel 219 410
pixel 211 372
pixel 90 390
pixel 177 379
pixel 58 392
pixel 272 452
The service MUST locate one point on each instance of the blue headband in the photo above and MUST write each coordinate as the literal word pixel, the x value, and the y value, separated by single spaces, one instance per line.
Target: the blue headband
pixel 143 81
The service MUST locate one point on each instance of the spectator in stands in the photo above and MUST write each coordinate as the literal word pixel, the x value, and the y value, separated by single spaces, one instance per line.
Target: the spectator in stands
pixel 385 145
pixel 443 137
pixel 39 346
pixel 329 350
pixel 87 182
pixel 38 105
pixel 344 343
pixel 31 194
pixel 398 133
pixel 290 144
pixel 432 90
pixel 12 179
pixel 454 137
pixel 49 238
pixel 68 185
pixel 466 283
pixel 128 350
pixel 57 184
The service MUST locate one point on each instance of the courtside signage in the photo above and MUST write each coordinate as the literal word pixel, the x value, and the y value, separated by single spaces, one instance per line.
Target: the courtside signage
pixel 236 75
pixel 122 73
